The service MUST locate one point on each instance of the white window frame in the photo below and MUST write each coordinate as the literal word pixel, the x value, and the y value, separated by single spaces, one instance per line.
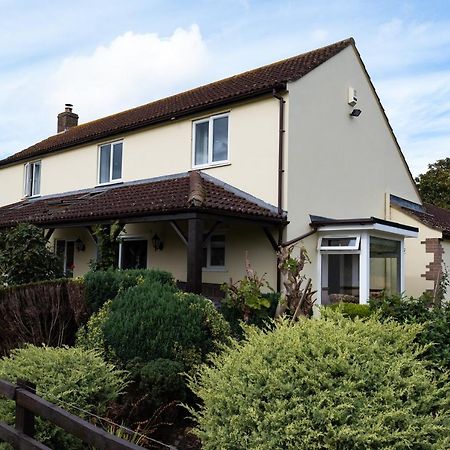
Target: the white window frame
pixel 210 162
pixel 347 248
pixel 27 167
pixel 207 244
pixel 65 252
pixel 99 151
pixel 364 258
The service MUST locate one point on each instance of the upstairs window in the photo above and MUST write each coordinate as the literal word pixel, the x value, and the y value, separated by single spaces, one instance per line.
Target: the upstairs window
pixel 110 162
pixel 210 141
pixel 32 182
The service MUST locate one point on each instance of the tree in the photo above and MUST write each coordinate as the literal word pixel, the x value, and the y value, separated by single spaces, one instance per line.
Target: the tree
pixel 434 184
pixel 25 256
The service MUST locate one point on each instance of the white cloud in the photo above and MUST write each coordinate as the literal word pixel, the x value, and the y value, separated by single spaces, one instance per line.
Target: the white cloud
pixel 418 107
pixel 132 69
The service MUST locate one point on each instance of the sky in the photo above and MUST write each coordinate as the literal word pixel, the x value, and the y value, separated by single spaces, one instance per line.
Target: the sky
pixel 107 56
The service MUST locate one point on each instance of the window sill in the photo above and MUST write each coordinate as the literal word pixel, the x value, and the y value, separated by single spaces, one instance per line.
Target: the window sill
pixel 31 197
pixel 109 183
pixel 214 269
pixel 212 165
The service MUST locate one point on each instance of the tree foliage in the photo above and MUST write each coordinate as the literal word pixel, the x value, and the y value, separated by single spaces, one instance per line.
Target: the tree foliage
pixel 434 184
pixel 25 256
pixel 331 383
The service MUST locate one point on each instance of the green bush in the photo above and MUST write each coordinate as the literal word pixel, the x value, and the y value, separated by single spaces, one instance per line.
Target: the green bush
pixel 435 319
pixel 331 383
pixel 90 336
pixel 152 321
pixel 105 285
pixel 25 256
pixel 258 317
pixel 160 380
pixel 352 310
pixel 63 376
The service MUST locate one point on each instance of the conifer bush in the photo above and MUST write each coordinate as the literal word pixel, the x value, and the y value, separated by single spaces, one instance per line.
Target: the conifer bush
pixel 64 376
pixel 330 383
pixel 102 286
pixel 153 320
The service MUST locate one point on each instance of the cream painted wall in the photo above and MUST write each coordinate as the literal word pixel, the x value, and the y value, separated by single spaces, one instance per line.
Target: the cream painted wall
pixel 416 259
pixel 165 150
pixel 11 184
pixel 339 166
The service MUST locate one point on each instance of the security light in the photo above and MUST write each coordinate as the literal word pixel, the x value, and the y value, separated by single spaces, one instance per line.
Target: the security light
pixel 355 113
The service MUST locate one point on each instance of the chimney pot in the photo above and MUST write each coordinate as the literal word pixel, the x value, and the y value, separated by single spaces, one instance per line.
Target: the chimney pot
pixel 67 119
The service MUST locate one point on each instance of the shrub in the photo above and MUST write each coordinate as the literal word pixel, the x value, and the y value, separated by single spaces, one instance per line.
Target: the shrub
pixel 25 256
pixel 436 323
pixel 260 318
pixel 331 383
pixel 105 285
pixel 47 312
pixel 352 310
pixel 160 381
pixel 64 376
pixel 152 321
pixel 90 336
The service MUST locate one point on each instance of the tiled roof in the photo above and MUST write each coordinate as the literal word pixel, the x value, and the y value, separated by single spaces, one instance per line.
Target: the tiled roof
pixel 434 217
pixel 166 195
pixel 245 85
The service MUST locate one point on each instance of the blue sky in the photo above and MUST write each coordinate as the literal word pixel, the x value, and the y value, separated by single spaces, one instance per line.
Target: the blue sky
pixel 106 56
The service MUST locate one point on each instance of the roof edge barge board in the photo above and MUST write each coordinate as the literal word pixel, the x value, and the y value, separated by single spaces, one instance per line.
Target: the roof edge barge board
pixel 11 160
pixel 319 221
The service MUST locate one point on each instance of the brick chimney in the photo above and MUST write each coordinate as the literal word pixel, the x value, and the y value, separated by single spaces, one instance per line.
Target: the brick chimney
pixel 67 119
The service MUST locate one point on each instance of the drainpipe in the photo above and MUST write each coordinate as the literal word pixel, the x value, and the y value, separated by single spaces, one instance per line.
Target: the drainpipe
pixel 281 132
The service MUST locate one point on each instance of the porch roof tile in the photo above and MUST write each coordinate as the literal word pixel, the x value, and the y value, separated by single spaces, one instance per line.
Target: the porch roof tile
pixel 433 216
pixel 158 196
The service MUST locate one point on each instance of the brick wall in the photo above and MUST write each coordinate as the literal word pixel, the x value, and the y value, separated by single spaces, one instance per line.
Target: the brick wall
pixel 434 269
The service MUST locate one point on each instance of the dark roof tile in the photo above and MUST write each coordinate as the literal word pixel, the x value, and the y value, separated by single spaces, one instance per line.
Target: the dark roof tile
pixel 138 199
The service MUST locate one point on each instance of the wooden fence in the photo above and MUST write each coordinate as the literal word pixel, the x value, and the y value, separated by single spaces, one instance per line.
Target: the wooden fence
pixel 29 405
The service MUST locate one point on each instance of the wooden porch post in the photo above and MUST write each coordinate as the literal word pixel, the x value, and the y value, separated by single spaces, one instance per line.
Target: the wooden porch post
pixel 194 255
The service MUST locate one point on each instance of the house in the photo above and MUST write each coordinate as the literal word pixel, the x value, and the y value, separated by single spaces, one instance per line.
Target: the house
pixel 299 150
pixel 429 255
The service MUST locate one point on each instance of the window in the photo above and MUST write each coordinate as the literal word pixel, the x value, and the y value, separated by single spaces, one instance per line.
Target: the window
pixel 210 140
pixel 65 250
pixel 32 182
pixel 385 257
pixel 340 243
pixel 340 276
pixel 133 254
pixel 110 162
pixel 214 252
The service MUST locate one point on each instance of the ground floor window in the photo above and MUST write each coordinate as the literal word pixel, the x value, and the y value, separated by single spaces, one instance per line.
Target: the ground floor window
pixel 385 273
pixel 214 252
pixel 340 277
pixel 355 268
pixel 133 254
pixel 65 250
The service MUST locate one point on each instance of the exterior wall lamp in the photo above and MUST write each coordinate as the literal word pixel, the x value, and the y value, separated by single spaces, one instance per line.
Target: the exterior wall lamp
pixel 80 245
pixel 157 242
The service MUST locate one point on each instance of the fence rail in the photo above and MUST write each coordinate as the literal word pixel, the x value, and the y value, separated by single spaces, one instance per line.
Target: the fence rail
pixel 29 405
